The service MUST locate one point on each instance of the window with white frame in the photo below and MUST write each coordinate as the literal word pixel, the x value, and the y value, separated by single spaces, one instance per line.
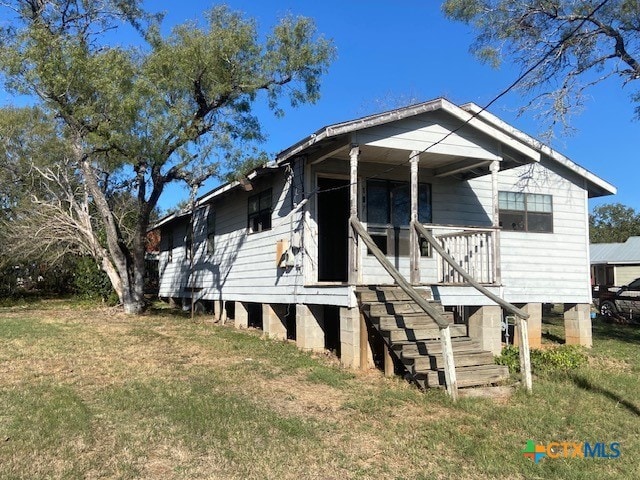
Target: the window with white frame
pixel 169 246
pixel 259 215
pixel 389 215
pixel 188 243
pixel 526 212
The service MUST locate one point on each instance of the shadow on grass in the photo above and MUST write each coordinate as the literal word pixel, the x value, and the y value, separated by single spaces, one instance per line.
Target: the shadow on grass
pixel 629 333
pixel 583 383
pixel 553 337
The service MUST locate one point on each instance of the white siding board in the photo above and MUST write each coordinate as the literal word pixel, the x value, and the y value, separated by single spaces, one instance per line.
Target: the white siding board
pixel 535 267
pixel 547 267
pixel 430 132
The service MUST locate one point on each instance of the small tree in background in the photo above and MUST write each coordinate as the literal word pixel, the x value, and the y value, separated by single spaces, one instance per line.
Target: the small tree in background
pixel 613 223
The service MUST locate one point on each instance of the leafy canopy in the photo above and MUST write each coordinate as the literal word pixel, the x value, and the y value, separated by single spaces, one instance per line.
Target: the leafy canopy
pixel 613 223
pixel 569 46
pixel 182 105
pixel 134 119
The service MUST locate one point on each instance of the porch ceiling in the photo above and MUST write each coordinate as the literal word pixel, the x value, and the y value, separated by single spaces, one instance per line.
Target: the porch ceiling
pixel 439 165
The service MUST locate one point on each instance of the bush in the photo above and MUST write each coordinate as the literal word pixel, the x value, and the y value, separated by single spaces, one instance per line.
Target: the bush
pixel 561 358
pixel 90 281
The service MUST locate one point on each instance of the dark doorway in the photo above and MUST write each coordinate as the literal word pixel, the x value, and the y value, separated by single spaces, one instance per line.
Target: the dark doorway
pixel 333 219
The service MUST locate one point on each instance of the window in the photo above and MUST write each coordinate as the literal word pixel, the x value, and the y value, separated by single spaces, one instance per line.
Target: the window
pixel 527 212
pixel 389 203
pixel 260 212
pixel 211 231
pixel 169 246
pixel 389 214
pixel 188 243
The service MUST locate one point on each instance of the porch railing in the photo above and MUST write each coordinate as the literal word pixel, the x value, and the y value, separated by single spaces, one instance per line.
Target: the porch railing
pixel 472 248
pixel 525 361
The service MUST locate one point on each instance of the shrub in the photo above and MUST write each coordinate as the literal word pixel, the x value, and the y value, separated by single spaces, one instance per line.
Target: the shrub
pixel 561 358
pixel 90 281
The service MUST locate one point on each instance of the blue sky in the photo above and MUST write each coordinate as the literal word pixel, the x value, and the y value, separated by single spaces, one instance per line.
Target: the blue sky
pixel 389 51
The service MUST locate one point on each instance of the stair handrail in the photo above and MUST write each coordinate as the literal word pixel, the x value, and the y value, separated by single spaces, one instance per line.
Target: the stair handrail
pixel 443 324
pixel 525 362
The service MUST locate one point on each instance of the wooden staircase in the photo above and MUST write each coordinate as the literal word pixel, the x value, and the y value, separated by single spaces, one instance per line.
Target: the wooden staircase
pixel 413 338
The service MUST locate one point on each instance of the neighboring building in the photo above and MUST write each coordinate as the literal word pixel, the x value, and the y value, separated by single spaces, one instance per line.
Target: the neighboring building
pixel 277 248
pixel 615 264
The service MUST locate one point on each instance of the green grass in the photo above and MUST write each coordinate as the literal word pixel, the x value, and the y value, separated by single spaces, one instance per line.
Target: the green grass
pixel 90 393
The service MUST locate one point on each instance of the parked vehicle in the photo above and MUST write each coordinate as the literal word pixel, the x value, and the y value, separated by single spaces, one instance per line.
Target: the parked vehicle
pixel 622 303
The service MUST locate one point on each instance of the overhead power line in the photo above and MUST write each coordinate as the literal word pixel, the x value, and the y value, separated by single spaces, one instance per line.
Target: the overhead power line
pixel 474 115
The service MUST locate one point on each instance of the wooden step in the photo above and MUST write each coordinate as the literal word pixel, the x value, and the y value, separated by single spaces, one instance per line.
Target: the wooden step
pixel 421 333
pixel 414 338
pixel 465 376
pixel 382 294
pixel 434 347
pixel 378 309
pixel 407 321
pixel 420 362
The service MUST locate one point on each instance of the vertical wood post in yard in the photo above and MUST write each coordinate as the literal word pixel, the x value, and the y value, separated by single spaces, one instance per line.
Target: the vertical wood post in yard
pixel 449 366
pixel 525 357
pixel 414 245
pixel 364 343
pixel 354 264
pixel 389 368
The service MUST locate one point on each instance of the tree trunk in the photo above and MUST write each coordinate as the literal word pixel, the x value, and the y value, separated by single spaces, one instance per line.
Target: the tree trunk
pixel 114 277
pixel 127 266
pixel 134 301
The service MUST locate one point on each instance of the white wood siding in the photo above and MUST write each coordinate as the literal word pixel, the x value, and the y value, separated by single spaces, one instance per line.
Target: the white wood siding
pixel 548 267
pixel 173 274
pixel 243 265
pixel 428 130
pixel 535 267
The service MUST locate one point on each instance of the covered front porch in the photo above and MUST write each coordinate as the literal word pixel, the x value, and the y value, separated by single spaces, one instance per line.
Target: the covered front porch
pixel 436 172
pixel 388 189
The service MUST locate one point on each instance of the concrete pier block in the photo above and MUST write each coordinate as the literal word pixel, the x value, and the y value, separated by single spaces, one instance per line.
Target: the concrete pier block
pixel 485 325
pixel 577 324
pixel 310 327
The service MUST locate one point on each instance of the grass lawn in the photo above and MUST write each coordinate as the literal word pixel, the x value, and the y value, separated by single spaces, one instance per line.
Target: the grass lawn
pixel 90 393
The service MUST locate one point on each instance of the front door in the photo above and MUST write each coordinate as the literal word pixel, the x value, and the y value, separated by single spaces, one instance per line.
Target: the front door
pixel 333 229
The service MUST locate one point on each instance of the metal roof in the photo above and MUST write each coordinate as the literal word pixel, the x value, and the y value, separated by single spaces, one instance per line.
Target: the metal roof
pixel 616 253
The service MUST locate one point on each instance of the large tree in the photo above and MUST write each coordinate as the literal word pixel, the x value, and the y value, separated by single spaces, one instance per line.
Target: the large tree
pixel 566 46
pixel 136 118
pixel 613 223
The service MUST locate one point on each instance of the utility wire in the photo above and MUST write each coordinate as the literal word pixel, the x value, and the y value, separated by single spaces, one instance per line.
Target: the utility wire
pixel 482 109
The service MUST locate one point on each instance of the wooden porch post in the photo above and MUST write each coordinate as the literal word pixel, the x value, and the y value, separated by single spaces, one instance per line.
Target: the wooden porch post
pixel 495 168
pixel 354 263
pixel 414 245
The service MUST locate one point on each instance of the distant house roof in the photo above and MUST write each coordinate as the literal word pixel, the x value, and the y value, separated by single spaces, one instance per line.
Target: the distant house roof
pixel 616 253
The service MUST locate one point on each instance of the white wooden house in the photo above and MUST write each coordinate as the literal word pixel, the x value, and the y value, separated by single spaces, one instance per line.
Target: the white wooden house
pixel 278 249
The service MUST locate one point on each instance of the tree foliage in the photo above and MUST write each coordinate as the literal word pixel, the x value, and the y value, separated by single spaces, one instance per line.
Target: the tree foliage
pixel 613 223
pixel 567 45
pixel 134 119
